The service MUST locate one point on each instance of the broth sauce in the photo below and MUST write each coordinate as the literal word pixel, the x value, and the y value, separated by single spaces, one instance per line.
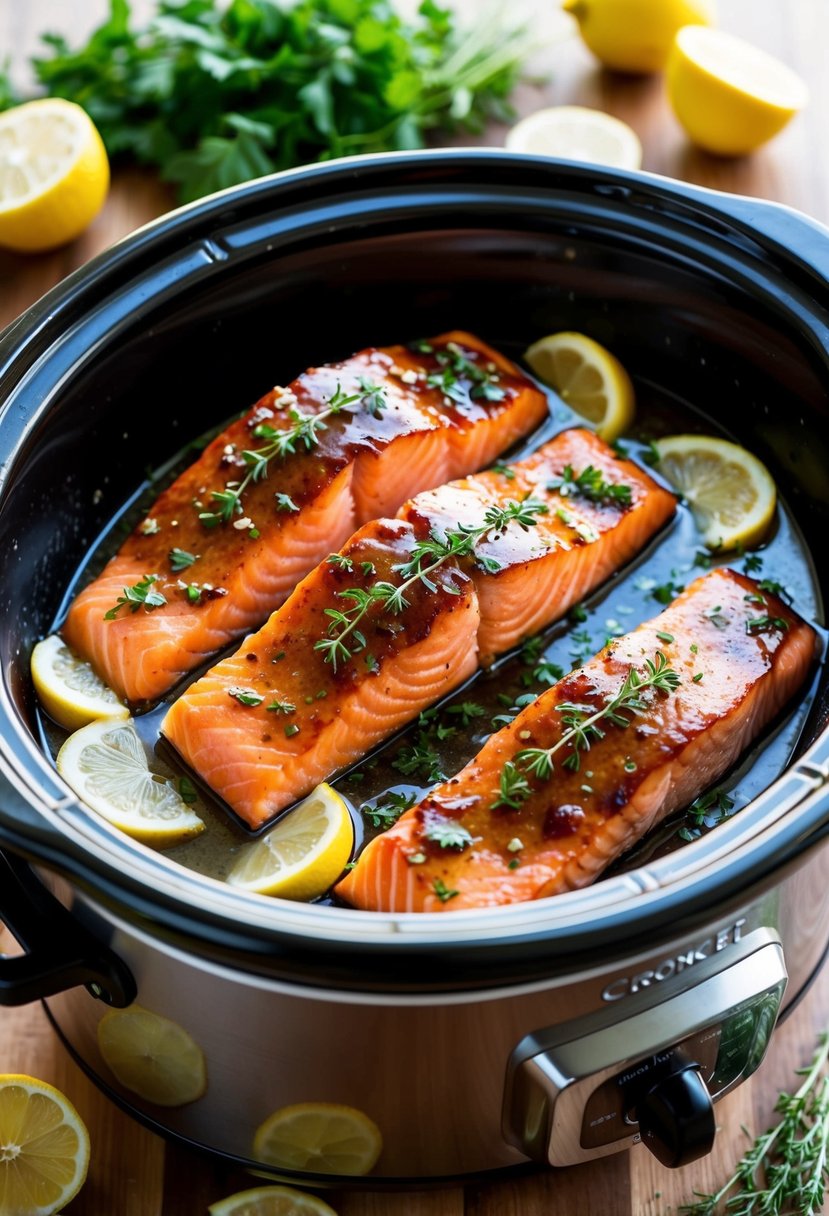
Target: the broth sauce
pixel 452 732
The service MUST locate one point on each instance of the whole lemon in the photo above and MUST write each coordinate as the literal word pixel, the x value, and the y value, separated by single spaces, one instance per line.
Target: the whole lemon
pixel 636 35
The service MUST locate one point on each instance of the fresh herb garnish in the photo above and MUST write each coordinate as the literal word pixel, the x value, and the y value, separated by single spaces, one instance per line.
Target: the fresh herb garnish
pixel 290 730
pixel 420 759
pixel 141 593
pixel 786 1169
pixel 303 433
pixel 345 639
pixel 180 559
pixel 448 835
pixel 666 592
pixel 772 586
pixel 443 892
pixel 284 502
pixel 388 811
pixel 706 812
pixel 456 367
pixel 766 624
pixel 504 470
pixel 591 484
pixel 467 712
pixel 651 455
pixel 582 729
pixel 752 563
pixel 716 617
pixel 215 93
pixel 245 696
pixel 187 790
pixel 281 707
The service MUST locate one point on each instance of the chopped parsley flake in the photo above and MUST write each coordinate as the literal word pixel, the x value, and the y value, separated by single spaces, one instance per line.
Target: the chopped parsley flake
pixel 245 696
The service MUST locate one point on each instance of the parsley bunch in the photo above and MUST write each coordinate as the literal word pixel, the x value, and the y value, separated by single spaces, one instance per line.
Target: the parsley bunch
pixel 214 94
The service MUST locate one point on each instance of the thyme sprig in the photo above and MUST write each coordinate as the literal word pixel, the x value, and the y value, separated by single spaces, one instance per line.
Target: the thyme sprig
pixel 785 1169
pixel 590 484
pixel 345 638
pixel 303 433
pixel 455 367
pixel 582 729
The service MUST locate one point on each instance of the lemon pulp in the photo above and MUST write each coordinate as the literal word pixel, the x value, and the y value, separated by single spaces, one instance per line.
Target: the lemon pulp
pixel 319 1137
pixel 588 378
pixel 44 1148
pixel 271 1201
pixel 152 1056
pixel 729 491
pixel 303 855
pixel 106 765
pixel 54 174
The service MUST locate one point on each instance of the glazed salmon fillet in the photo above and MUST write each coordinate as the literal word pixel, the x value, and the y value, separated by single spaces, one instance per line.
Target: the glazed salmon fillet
pixel 280 488
pixel 407 611
pixel 554 797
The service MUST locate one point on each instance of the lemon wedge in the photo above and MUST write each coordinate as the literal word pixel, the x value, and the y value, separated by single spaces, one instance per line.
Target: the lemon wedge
pixel 152 1056
pixel 730 96
pixel 730 492
pixel 588 378
pixel 303 855
pixel 106 765
pixel 44 1148
pixel 577 133
pixel 54 174
pixel 320 1138
pixel 69 689
pixel 271 1201
pixel 636 35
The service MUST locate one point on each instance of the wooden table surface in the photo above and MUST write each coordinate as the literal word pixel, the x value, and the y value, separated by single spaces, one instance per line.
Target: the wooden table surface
pixel 133 1173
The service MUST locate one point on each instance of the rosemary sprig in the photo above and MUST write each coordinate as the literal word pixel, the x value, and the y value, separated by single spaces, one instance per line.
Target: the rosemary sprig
pixel 590 484
pixel 785 1169
pixel 345 639
pixel 582 729
pixel 303 433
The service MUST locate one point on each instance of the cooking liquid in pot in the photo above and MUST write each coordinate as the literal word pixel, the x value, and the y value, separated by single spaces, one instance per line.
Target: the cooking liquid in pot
pixel 426 751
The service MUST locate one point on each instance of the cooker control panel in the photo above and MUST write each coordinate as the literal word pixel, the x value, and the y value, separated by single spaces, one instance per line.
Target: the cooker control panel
pixel 582 1089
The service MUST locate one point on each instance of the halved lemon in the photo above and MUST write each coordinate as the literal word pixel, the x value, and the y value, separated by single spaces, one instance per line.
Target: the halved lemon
pixel 44 1148
pixel 152 1056
pixel 588 378
pixel 106 765
pixel 731 494
pixel 320 1138
pixel 68 688
pixel 636 35
pixel 577 133
pixel 303 855
pixel 271 1201
pixel 54 174
pixel 730 96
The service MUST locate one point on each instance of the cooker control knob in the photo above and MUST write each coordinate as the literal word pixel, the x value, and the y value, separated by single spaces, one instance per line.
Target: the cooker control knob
pixel 676 1118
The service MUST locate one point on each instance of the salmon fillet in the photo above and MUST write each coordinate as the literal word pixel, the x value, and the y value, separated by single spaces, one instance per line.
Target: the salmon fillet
pixel 209 563
pixel 315 704
pixel 736 655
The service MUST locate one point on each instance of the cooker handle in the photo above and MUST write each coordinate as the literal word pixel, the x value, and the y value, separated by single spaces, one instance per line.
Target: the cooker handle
pixel 804 239
pixel 59 952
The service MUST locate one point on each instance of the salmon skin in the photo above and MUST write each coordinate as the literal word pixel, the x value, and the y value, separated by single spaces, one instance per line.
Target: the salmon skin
pixel 513 826
pixel 283 486
pixel 405 613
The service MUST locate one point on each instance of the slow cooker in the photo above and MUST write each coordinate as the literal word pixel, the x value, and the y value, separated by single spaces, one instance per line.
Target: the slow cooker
pixel 554 1032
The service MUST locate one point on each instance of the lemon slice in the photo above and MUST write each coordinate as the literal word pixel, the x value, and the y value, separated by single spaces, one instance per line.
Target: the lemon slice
pixel 271 1201
pixel 586 376
pixel 152 1056
pixel 577 133
pixel 303 855
pixel 729 491
pixel 69 689
pixel 729 95
pixel 320 1138
pixel 54 174
pixel 106 765
pixel 44 1148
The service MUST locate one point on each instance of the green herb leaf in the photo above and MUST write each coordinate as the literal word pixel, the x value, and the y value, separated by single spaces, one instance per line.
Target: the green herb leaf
pixel 141 593
pixel 180 559
pixel 245 696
